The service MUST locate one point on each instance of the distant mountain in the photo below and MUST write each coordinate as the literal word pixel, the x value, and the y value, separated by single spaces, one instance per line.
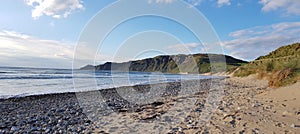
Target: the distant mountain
pixel 281 67
pixel 196 63
pixel 88 67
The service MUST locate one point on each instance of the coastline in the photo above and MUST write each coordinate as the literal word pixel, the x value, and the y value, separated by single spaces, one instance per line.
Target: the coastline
pixel 248 106
pixel 63 112
pixel 19 92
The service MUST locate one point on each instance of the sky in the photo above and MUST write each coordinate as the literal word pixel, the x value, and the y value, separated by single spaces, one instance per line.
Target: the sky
pixel 48 33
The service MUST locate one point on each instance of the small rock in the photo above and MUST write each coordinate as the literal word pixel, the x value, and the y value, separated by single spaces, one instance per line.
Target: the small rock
pixel 123 110
pixel 285 113
pixel 14 128
pixel 278 124
pixel 295 126
pixel 34 129
pixel 255 131
pixel 256 104
pixel 180 129
pixel 190 125
pixel 233 123
pixel 72 112
pixel 242 132
pixel 60 110
pixel 47 130
pixel 175 129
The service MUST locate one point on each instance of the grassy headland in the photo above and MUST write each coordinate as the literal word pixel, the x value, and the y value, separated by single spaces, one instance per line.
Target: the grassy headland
pixel 196 63
pixel 281 67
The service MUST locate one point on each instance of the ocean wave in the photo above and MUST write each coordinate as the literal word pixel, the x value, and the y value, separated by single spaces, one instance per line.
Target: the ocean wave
pixel 57 77
pixel 35 77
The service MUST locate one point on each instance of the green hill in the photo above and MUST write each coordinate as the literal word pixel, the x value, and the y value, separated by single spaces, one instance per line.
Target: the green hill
pixel 281 67
pixel 196 63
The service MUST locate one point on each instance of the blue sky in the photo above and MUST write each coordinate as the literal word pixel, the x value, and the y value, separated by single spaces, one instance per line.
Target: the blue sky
pixel 44 33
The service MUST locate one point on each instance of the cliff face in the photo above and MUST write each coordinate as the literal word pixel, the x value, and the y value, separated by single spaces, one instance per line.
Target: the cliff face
pixel 197 63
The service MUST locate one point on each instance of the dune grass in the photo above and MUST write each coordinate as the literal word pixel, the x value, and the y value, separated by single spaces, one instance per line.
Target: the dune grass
pixel 281 67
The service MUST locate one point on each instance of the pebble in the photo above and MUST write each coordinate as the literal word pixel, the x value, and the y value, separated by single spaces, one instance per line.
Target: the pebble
pixel 256 104
pixel 268 107
pixel 47 130
pixel 278 124
pixel 241 132
pixel 255 131
pixel 285 113
pixel 14 128
pixel 233 123
pixel 292 125
pixel 295 126
pixel 175 129
pixel 34 129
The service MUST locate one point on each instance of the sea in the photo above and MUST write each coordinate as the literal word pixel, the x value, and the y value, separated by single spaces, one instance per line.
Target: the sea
pixel 20 81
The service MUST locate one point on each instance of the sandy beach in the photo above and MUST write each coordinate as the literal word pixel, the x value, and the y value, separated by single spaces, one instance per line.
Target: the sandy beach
pixel 246 106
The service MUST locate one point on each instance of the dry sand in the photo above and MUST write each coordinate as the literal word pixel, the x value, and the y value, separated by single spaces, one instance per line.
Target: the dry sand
pixel 248 106
pixel 255 108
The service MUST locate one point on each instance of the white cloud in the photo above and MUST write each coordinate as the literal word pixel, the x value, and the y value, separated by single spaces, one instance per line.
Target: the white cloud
pixel 287 6
pixel 23 50
pixel 251 43
pixel 223 3
pixel 195 2
pixel 183 48
pixel 160 1
pixel 220 3
pixel 246 33
pixel 18 49
pixel 54 8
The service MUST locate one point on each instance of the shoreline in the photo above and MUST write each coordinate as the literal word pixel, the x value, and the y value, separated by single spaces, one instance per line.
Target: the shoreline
pixel 105 89
pixel 4 97
pixel 248 106
pixel 63 112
